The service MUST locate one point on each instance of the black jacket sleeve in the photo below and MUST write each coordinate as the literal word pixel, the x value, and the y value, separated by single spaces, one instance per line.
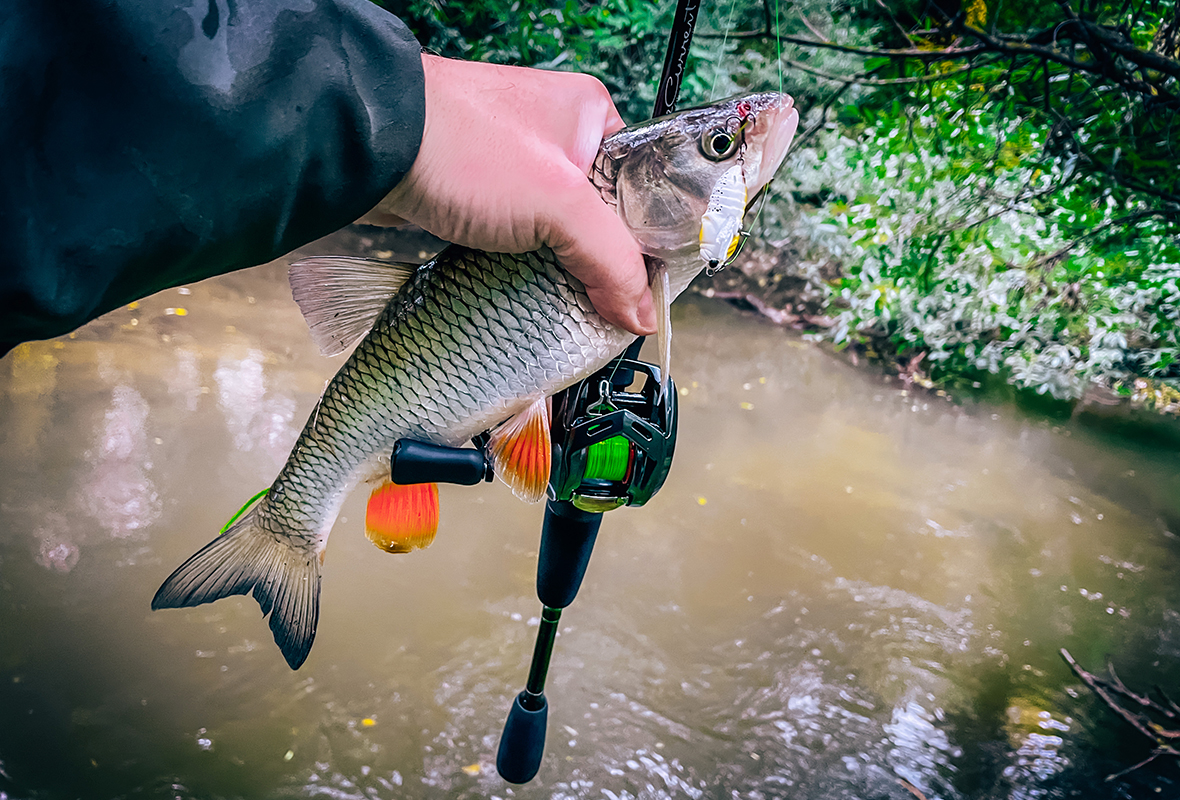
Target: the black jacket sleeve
pixel 149 143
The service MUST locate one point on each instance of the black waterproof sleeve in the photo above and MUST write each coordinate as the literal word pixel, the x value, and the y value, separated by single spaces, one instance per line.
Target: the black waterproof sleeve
pixel 149 143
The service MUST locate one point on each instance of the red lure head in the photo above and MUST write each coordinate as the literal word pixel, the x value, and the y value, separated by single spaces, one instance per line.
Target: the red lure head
pixel 743 110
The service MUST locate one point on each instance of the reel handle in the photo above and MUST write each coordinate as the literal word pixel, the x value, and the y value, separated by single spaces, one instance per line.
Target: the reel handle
pixel 418 462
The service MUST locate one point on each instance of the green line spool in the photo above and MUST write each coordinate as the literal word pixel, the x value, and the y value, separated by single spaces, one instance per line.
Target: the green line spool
pixel 609 459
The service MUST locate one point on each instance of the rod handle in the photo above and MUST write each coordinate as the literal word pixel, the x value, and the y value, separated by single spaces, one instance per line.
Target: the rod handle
pixel 567 540
pixel 523 742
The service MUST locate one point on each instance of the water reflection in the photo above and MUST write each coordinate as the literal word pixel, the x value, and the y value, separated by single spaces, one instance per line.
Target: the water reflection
pixel 842 586
pixel 116 490
pixel 254 417
pixel 55 551
pixel 184 378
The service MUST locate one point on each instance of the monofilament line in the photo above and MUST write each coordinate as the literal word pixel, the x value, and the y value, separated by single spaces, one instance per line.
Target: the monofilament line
pixel 778 40
pixel 721 57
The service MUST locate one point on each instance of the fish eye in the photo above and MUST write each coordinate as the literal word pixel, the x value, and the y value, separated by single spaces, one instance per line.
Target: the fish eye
pixel 718 144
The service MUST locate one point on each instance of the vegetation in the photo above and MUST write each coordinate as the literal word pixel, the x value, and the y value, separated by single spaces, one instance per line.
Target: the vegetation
pixel 982 191
pixel 1009 205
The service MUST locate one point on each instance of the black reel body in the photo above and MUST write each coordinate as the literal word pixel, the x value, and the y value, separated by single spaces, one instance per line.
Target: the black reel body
pixel 613 441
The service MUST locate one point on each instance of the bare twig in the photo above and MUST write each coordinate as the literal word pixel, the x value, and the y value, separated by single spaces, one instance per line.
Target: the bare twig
pixel 823 117
pixel 1123 772
pixel 1172 201
pixel 1099 688
pixel 810 27
pixel 1171 704
pixel 1057 255
pixel 945 54
pixel 1144 58
pixel 1143 701
pixel 1140 722
pixel 862 80
pixel 1100 66
pixel 893 19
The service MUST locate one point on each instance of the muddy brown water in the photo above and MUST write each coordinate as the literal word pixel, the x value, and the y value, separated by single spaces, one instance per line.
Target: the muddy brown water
pixel 842 586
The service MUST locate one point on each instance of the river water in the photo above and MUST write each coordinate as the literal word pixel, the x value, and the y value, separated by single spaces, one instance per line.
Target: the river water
pixel 842 586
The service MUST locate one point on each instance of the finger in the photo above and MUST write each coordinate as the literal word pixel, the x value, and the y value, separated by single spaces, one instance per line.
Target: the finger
pixel 593 244
pixel 597 119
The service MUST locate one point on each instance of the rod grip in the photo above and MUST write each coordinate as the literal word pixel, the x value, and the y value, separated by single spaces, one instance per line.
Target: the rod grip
pixel 567 540
pixel 523 742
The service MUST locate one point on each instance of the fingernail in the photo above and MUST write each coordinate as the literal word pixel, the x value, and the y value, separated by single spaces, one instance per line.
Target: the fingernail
pixel 647 314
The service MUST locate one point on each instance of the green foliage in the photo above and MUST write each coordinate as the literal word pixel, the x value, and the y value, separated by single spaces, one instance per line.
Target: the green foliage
pixel 963 241
pixel 1017 220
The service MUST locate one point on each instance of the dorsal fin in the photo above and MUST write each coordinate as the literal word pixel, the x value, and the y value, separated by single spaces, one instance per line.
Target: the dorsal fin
pixel 661 295
pixel 341 296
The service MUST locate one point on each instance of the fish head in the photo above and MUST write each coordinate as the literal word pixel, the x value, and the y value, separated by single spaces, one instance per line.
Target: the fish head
pixel 665 170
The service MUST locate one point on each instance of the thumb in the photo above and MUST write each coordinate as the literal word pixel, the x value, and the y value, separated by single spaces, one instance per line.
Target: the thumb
pixel 592 243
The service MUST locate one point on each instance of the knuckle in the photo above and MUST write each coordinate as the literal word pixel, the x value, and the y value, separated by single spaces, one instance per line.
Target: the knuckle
pixel 589 86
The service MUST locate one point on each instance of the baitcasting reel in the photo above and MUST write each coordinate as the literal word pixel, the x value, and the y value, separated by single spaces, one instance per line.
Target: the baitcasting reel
pixel 613 446
pixel 612 442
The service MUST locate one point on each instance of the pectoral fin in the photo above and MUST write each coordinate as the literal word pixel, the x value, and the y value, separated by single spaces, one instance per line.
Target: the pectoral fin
pixel 402 518
pixel 661 295
pixel 520 451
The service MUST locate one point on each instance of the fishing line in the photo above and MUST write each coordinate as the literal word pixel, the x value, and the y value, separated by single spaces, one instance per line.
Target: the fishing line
pixel 764 192
pixel 721 58
pixel 244 508
pixel 615 370
pixel 778 40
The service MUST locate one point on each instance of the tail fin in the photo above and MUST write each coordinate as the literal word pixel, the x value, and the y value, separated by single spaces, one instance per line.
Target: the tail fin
pixel 285 582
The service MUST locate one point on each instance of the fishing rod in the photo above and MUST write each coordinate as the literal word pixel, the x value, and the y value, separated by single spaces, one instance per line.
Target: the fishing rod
pixel 612 446
pixel 612 436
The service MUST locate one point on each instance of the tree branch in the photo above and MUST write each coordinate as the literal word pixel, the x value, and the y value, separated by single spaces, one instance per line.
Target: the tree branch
pixel 1041 44
pixel 1099 689
pixel 864 80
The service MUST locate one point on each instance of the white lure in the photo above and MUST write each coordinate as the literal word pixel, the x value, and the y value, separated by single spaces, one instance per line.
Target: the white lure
pixel 721 226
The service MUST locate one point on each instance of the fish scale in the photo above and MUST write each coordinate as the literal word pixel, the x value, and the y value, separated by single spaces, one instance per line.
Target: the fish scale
pixel 457 346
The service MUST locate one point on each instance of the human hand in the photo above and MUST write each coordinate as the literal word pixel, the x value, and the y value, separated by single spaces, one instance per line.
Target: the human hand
pixel 502 168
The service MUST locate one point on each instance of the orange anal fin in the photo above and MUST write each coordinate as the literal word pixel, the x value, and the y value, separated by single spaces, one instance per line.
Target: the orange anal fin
pixel 521 454
pixel 402 518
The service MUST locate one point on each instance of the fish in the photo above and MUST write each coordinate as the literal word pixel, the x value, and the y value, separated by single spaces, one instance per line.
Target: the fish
pixel 467 343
